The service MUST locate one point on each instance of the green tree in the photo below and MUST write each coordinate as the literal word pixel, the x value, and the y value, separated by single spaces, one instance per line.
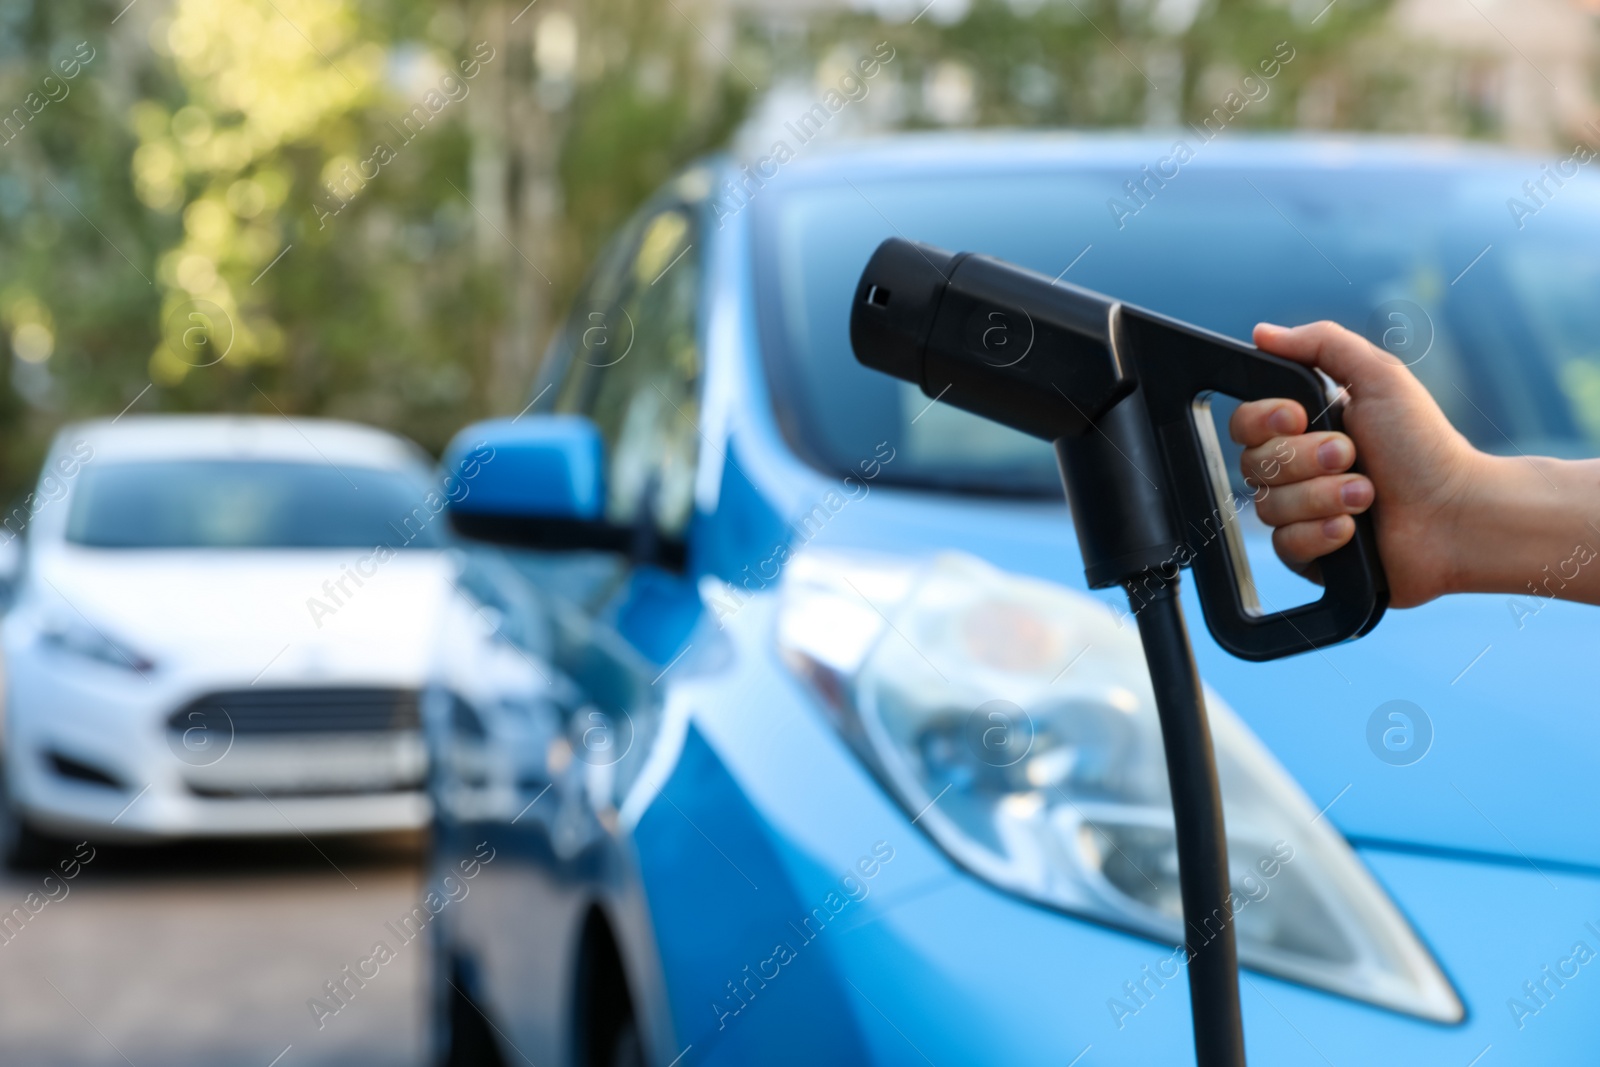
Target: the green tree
pixel 1116 63
pixel 364 210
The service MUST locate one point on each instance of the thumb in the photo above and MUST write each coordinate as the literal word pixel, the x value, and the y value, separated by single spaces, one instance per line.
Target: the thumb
pixel 1346 357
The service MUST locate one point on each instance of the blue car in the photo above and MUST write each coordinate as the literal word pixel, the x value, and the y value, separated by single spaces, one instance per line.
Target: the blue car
pixel 835 759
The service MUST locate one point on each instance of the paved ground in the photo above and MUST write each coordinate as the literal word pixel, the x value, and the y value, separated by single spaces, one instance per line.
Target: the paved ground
pixel 204 956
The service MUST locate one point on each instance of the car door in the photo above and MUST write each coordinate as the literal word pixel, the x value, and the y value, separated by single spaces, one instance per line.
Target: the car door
pixel 632 364
pixel 629 359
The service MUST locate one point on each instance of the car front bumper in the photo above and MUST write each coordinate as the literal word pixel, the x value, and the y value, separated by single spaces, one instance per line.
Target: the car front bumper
pixel 113 724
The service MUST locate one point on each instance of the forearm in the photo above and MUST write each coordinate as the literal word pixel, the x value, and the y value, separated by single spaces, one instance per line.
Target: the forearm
pixel 1530 527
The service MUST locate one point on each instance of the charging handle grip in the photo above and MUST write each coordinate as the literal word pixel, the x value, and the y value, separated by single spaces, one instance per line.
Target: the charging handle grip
pixel 1179 367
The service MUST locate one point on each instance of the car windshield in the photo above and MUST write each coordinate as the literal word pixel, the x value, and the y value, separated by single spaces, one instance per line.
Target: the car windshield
pixel 1495 308
pixel 249 504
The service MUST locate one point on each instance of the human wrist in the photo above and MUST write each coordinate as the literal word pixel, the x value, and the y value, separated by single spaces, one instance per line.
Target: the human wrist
pixel 1514 517
pixel 1484 490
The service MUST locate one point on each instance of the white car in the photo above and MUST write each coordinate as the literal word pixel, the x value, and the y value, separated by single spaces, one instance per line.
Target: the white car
pixel 226 626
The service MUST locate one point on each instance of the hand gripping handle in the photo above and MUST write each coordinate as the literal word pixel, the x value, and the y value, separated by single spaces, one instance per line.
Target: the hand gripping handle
pixel 1179 366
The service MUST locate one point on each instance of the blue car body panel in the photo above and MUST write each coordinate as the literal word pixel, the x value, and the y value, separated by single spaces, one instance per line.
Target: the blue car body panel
pixel 750 809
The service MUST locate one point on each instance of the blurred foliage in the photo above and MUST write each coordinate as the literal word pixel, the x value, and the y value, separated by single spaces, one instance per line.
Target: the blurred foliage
pixel 144 215
pixel 240 176
pixel 1158 63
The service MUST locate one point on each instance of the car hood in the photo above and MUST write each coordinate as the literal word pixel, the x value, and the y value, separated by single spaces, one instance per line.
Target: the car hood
pixel 1506 696
pixel 233 616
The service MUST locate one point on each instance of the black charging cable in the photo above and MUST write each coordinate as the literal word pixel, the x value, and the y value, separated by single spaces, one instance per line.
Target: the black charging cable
pixel 1197 816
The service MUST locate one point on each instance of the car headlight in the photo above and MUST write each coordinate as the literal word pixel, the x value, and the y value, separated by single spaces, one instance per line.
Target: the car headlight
pixel 81 638
pixel 1014 720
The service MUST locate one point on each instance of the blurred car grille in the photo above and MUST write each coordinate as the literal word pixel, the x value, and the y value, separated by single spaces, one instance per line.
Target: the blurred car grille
pixel 243 712
pixel 327 742
pixel 214 792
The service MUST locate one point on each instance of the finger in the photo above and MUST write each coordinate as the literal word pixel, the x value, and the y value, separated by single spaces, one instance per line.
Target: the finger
pixel 1259 421
pixel 1320 498
pixel 1301 543
pixel 1346 357
pixel 1296 459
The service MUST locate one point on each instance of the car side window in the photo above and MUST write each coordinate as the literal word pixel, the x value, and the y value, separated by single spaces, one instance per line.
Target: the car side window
pixel 634 368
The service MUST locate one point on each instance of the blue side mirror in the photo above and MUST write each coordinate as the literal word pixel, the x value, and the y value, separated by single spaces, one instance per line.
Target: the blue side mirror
pixel 537 467
pixel 538 481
